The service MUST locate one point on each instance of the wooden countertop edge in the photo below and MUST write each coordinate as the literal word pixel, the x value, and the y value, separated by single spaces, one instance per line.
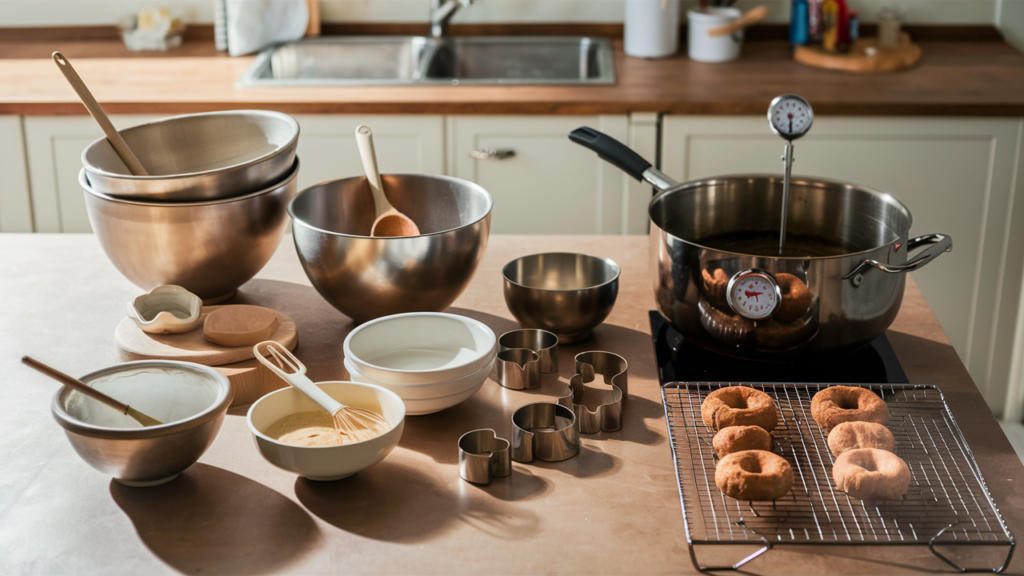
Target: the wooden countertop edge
pixel 997 109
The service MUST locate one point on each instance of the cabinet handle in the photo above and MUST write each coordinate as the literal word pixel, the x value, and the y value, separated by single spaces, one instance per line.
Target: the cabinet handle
pixel 492 153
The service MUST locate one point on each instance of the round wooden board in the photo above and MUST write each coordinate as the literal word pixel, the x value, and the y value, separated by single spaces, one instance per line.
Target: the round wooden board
pixel 134 344
pixel 885 58
pixel 250 381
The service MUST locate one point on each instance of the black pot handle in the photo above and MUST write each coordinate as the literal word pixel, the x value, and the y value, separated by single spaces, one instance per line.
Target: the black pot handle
pixel 611 150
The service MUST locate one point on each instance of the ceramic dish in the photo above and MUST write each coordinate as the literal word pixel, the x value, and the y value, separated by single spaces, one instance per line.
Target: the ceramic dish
pixel 425 392
pixel 327 462
pixel 191 399
pixel 167 309
pixel 420 347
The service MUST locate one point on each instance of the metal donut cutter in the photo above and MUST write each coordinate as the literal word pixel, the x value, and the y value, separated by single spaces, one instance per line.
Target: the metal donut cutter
pixel 544 431
pixel 608 416
pixel 483 456
pixel 544 343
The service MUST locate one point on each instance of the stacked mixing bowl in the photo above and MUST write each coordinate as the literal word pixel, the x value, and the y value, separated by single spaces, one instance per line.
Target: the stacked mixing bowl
pixel 214 207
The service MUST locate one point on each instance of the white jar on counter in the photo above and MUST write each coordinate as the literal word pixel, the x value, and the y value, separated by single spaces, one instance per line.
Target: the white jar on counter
pixel 703 47
pixel 652 28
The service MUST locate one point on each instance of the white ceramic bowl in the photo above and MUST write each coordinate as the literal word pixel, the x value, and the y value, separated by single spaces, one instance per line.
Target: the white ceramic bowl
pixel 327 462
pixel 420 347
pixel 423 399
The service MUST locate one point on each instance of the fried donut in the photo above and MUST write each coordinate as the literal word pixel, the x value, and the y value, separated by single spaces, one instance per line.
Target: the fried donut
pixel 724 327
pixel 740 438
pixel 871 474
pixel 754 475
pixel 837 404
pixel 739 406
pixel 774 334
pixel 715 287
pixel 853 435
pixel 796 298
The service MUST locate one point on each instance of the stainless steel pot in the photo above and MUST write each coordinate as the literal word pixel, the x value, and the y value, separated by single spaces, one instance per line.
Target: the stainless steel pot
pixel 844 289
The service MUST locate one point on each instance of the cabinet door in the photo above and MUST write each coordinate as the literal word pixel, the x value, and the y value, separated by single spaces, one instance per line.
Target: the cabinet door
pixel 548 185
pixel 956 175
pixel 328 151
pixel 54 146
pixel 15 202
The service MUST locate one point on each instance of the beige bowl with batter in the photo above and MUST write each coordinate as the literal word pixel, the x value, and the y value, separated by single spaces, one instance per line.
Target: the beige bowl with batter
pixel 327 462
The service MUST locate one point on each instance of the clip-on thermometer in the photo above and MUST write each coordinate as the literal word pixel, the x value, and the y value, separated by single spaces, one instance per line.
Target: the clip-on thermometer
pixel 790 117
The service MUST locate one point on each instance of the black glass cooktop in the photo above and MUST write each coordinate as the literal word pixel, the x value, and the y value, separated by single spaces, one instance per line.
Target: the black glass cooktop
pixel 680 361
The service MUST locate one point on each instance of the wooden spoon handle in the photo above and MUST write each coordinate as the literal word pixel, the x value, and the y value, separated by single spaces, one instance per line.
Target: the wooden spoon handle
pixel 120 146
pixel 75 383
pixel 364 138
pixel 749 17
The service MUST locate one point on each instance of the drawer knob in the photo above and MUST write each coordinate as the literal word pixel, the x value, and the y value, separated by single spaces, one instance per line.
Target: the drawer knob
pixel 492 153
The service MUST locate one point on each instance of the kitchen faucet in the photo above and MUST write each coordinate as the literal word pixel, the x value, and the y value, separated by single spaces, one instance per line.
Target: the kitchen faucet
pixel 441 11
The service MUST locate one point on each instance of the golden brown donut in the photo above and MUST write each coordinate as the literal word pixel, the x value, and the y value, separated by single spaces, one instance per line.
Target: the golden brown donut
pixel 723 326
pixel 776 334
pixel 837 404
pixel 796 298
pixel 853 435
pixel 714 287
pixel 739 406
pixel 740 438
pixel 871 474
pixel 754 475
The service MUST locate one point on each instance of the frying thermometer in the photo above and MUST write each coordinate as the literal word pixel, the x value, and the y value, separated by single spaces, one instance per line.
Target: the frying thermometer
pixel 790 117
pixel 753 294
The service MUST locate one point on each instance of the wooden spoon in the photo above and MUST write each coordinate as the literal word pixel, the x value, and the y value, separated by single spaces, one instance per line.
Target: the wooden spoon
pixel 90 392
pixel 752 16
pixel 389 221
pixel 120 146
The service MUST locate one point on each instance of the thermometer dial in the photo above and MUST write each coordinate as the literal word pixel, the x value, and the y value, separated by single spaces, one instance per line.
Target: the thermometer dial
pixel 753 294
pixel 790 116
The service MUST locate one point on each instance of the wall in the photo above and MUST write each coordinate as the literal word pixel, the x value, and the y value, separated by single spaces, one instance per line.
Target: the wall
pixel 1010 20
pixel 86 12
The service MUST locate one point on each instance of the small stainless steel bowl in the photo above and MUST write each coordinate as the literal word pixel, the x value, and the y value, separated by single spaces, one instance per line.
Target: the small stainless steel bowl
pixel 191 399
pixel 368 277
pixel 197 157
pixel 208 248
pixel 568 294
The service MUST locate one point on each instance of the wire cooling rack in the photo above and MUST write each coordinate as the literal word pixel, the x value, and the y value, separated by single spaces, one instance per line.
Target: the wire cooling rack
pixel 948 503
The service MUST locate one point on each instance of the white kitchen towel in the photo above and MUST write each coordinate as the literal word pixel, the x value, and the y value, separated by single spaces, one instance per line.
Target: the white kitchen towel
pixel 256 24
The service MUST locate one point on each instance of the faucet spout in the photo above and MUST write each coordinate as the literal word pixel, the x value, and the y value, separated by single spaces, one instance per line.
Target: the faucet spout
pixel 441 11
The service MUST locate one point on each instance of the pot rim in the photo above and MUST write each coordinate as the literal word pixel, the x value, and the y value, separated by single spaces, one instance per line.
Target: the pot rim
pixel 71 424
pixel 614 279
pixel 472 185
pixel 217 171
pixel 883 196
pixel 290 176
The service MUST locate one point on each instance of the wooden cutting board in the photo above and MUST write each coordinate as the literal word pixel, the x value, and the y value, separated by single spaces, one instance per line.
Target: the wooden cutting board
pixel 866 55
pixel 134 344
pixel 249 379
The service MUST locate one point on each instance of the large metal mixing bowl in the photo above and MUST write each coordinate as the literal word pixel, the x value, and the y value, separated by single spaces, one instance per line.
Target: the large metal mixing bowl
pixel 368 277
pixel 197 156
pixel 208 248
pixel 565 293
pixel 190 399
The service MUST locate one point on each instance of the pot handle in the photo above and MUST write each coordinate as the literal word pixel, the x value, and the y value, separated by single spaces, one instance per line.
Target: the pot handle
pixel 621 156
pixel 938 243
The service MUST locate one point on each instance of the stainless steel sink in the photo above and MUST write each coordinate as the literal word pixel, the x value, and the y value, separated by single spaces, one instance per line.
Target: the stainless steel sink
pixel 405 60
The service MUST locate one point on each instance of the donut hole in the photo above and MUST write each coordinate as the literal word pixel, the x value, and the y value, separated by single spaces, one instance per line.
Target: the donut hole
pixel 848 401
pixel 751 465
pixel 737 401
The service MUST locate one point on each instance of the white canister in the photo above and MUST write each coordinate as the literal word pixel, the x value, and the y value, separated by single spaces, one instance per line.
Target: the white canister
pixel 652 28
pixel 705 48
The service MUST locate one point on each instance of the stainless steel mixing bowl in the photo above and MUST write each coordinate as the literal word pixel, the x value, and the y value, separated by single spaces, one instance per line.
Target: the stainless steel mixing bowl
pixel 568 294
pixel 197 156
pixel 190 399
pixel 367 277
pixel 209 248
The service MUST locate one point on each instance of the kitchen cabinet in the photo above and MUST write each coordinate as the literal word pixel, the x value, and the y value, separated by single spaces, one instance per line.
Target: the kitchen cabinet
pixel 53 146
pixel 958 176
pixel 15 202
pixel 541 182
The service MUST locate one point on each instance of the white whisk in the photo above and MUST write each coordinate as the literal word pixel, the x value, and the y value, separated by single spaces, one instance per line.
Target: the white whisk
pixel 352 424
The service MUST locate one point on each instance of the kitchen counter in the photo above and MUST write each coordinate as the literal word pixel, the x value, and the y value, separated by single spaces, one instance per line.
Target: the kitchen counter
pixel 613 509
pixel 966 78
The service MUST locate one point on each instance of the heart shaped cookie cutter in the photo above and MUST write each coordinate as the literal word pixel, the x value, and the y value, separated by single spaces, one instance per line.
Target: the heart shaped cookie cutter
pixel 544 343
pixel 517 368
pixel 483 456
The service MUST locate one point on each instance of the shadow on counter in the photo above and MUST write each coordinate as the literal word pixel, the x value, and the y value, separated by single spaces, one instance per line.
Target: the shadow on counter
pixel 209 520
